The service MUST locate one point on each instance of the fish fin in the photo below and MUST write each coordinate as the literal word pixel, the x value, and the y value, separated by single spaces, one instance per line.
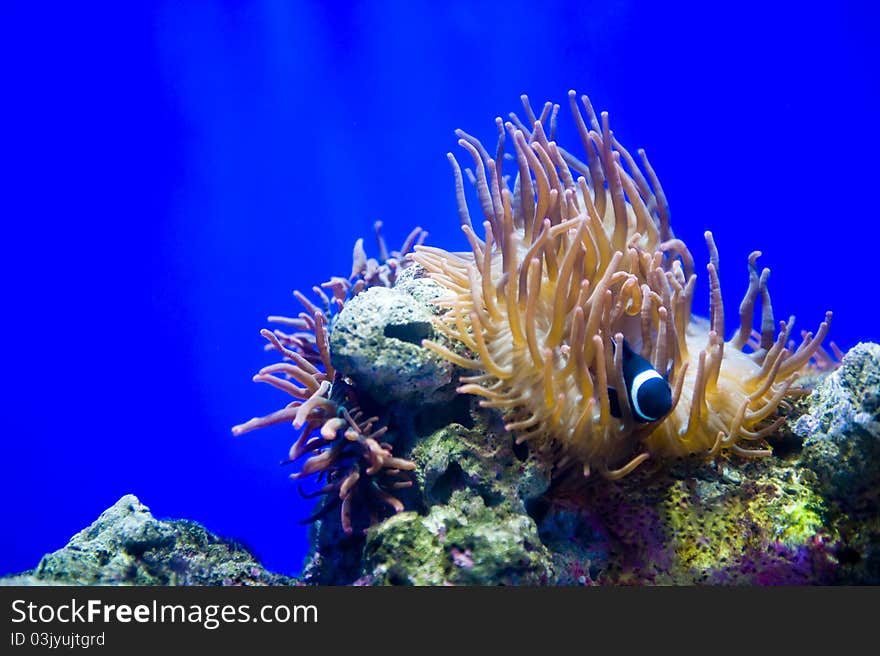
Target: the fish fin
pixel 614 403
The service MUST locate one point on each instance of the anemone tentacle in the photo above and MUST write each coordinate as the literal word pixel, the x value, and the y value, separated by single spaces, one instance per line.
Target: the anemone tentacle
pixel 340 447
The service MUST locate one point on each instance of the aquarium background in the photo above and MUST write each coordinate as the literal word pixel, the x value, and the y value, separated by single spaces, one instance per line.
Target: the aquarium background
pixel 174 170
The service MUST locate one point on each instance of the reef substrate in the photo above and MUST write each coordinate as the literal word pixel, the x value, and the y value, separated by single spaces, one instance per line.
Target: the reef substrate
pixel 126 545
pixel 806 516
pixel 485 511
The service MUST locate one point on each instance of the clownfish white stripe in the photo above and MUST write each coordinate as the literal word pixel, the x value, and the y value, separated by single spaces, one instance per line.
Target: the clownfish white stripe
pixel 641 378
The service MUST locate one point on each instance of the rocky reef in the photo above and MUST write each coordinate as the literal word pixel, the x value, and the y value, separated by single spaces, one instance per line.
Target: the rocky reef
pixel 486 511
pixel 126 545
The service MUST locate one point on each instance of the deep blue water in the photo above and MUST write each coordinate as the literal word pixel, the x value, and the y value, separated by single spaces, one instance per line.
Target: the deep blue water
pixel 173 172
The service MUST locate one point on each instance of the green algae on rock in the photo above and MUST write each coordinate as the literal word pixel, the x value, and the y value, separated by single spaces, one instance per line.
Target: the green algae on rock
pixel 464 542
pixel 477 530
pixel 126 545
pixel 841 430
pixel 692 524
pixel 482 459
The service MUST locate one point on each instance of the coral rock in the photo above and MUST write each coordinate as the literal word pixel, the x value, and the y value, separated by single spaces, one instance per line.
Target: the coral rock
pixel 693 525
pixel 126 545
pixel 460 543
pixel 841 430
pixel 376 341
pixel 481 460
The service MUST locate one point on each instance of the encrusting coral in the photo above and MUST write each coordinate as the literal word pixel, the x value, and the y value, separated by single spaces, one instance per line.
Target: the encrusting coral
pixel 355 470
pixel 577 262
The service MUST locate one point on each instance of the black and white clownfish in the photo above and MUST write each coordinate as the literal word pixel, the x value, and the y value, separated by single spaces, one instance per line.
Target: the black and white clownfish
pixel 648 391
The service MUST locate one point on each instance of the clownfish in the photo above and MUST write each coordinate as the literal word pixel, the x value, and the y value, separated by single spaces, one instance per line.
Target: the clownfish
pixel 648 391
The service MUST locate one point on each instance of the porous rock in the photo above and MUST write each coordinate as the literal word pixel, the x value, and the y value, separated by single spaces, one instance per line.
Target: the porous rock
pixel 477 530
pixel 463 542
pixel 376 341
pixel 691 523
pixel 126 545
pixel 841 450
pixel 841 430
pixel 480 459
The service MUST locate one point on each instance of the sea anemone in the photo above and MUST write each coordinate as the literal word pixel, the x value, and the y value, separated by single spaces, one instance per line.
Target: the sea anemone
pixel 578 266
pixel 354 469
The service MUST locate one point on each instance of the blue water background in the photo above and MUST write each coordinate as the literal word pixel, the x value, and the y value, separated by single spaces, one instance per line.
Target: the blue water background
pixel 174 170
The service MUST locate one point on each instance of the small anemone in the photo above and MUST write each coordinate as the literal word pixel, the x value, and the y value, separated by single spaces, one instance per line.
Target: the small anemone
pixel 352 466
pixel 368 272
